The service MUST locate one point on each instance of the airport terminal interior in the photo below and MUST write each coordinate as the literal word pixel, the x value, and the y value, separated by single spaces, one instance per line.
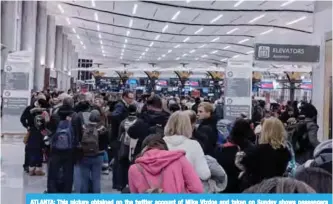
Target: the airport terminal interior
pixel 230 52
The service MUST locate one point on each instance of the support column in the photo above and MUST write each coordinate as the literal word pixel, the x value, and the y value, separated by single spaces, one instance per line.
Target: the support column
pixel 58 54
pixel 320 74
pixel 39 72
pixel 11 12
pixel 64 61
pixel 69 64
pixel 51 42
pixel 28 36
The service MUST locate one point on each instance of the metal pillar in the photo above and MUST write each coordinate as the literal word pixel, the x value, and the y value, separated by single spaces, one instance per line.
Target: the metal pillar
pixel 51 40
pixel 58 54
pixel 28 35
pixel 39 72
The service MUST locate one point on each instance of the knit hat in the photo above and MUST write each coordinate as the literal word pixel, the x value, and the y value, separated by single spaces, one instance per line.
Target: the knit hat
pixel 132 109
pixel 95 116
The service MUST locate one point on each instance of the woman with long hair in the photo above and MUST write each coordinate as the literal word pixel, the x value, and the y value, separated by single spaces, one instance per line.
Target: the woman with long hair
pixel 269 158
pixel 178 134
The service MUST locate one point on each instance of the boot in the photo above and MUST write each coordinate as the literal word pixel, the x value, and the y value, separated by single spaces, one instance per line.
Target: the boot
pixel 39 171
pixel 32 171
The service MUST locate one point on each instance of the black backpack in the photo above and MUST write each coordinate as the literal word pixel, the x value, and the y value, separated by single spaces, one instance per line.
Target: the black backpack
pixel 299 138
pixel 157 129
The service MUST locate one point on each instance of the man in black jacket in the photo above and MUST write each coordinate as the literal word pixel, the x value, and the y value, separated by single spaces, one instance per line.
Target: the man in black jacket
pixel 119 113
pixel 152 121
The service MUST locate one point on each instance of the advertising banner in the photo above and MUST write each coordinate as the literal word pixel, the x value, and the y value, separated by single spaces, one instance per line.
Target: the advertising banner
pixel 238 88
pixel 16 93
pixel 287 53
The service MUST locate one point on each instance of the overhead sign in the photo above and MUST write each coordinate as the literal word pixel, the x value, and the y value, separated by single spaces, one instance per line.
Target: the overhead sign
pixel 287 53
pixel 238 88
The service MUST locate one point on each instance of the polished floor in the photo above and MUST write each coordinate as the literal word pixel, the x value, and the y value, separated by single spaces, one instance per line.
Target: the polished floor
pixel 15 184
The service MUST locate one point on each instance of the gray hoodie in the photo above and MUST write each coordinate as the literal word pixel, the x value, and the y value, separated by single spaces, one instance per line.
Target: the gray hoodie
pixel 218 180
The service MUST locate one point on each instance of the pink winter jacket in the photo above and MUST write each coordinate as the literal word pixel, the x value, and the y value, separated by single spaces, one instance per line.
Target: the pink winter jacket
pixel 178 174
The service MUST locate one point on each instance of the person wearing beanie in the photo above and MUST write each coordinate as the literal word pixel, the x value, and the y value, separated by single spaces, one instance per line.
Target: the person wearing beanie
pixel 91 162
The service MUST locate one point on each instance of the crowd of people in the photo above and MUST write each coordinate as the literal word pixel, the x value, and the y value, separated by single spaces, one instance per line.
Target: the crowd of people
pixel 166 144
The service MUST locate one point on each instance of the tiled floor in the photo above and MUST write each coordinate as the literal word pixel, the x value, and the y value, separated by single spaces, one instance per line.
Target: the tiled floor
pixel 15 184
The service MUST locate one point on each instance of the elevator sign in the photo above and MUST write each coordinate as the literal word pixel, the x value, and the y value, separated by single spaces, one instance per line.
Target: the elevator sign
pixel 287 53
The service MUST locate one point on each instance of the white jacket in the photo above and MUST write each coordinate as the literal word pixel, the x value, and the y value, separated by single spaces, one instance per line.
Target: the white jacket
pixel 194 153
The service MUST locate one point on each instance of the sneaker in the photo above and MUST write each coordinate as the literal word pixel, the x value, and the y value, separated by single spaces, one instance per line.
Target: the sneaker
pixel 32 171
pixel 39 171
pixel 105 172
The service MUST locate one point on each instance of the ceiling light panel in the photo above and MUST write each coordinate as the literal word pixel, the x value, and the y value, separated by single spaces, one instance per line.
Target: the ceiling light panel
pixel 186 39
pixel 96 16
pixel 232 30
pixel 199 30
pixel 175 16
pixel 157 37
pixel 177 46
pixel 266 32
pixel 243 41
pixel 239 2
pixel 61 9
pixel 130 23
pixel 68 21
pixel 296 20
pixel 73 29
pixel 135 7
pixel 215 51
pixel 93 3
pixel 287 3
pixel 226 47
pixel 165 28
pixel 201 46
pixel 257 18
pixel 216 18
pixel 215 39
pixel 192 51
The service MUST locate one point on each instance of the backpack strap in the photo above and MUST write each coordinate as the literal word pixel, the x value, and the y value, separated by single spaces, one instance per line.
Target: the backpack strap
pixel 147 181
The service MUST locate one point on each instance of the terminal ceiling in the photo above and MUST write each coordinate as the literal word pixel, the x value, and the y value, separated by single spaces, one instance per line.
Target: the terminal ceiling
pixel 176 34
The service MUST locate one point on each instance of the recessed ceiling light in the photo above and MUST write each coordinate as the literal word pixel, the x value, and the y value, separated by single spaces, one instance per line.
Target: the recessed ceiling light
pixel 165 28
pixel 157 37
pixel 130 23
pixel 203 56
pixel 232 30
pixel 242 41
pixel 99 35
pixel 135 7
pixel 159 58
pixel 177 46
pixel 128 33
pixel 257 18
pixel 125 40
pixel 198 31
pixel 186 39
pixel 201 46
pixel 78 37
pixel 296 21
pixel 121 57
pixel 188 1
pixel 93 3
pixel 177 58
pixel 224 59
pixel 250 52
pixel 121 54
pixel 216 19
pixel 235 56
pixel 60 8
pixel 215 51
pixel 196 58
pixel 192 51
pixel 215 39
pixel 81 42
pixel 73 29
pixel 68 21
pixel 169 51
pixel 174 17
pixel 147 49
pixel 266 32
pixel 163 55
pixel 84 47
pixel 104 55
pixel 124 45
pixel 122 50
pixel 98 28
pixel 151 44
pixel 143 53
pixel 101 42
pixel 287 3
pixel 184 55
pixel 96 16
pixel 238 3
pixel 226 47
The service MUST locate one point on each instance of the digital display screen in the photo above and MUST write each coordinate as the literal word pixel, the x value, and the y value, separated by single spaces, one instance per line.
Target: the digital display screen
pixel 132 82
pixel 267 85
pixel 162 82
pixel 306 85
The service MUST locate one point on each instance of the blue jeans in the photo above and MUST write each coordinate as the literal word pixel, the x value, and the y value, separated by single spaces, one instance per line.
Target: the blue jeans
pixel 105 157
pixel 77 178
pixel 90 168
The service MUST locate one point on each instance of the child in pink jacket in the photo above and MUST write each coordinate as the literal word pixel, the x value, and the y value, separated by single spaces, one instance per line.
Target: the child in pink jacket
pixel 166 170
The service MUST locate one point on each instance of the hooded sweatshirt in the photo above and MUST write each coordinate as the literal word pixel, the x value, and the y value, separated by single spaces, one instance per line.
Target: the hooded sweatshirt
pixel 194 153
pixel 168 170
